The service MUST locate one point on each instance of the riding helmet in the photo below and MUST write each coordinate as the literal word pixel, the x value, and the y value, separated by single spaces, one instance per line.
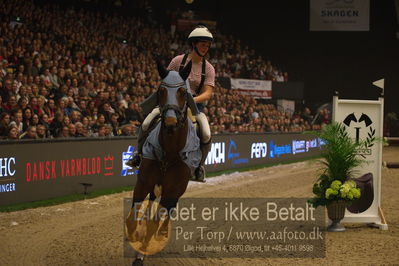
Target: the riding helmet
pixel 200 34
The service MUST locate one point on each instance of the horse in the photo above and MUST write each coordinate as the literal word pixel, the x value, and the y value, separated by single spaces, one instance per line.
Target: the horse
pixel 165 172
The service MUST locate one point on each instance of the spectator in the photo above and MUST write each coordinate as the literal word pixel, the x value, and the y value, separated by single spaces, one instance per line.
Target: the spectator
pixel 30 133
pixel 13 133
pixel 27 118
pixel 80 132
pixel 108 131
pixel 22 103
pixel 127 130
pixel 101 131
pixel 4 124
pixel 72 130
pixel 17 120
pixel 50 109
pixel 307 115
pixel 114 123
pixel 45 121
pixel 11 104
pixel 64 132
pixel 6 91
pixel 57 124
pixel 75 116
pixel 41 132
pixel 53 78
pixel 35 120
pixel 133 114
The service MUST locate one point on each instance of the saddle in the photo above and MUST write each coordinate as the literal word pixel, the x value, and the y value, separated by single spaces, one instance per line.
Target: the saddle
pixel 365 183
pixel 190 154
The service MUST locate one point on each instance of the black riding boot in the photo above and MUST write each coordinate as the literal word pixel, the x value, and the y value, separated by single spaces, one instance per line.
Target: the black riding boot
pixel 136 159
pixel 200 171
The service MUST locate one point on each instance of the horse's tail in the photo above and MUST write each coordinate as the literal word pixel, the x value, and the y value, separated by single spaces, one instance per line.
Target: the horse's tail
pixel 158 190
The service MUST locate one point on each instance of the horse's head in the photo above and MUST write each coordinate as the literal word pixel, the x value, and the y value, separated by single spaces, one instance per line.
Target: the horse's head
pixel 173 95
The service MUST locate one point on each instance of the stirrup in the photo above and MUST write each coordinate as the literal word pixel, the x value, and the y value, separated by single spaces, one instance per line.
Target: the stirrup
pixel 199 175
pixel 135 161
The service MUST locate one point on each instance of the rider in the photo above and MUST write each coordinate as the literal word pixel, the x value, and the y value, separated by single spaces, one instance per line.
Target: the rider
pixel 202 82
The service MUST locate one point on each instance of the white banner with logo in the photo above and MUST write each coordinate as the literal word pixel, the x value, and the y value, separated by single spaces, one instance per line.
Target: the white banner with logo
pixel 364 120
pixel 253 87
pixel 339 15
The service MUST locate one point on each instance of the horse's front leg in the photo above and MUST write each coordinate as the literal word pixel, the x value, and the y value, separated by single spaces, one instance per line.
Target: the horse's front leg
pixel 146 180
pixel 174 185
pixel 165 208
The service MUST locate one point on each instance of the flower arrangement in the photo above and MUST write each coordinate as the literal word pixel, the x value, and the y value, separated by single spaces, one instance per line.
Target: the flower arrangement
pixel 347 190
pixel 339 160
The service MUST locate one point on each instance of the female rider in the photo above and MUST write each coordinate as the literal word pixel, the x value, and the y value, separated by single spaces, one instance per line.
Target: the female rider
pixel 202 82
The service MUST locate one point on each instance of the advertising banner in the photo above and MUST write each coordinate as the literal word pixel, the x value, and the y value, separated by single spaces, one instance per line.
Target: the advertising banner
pixel 364 120
pixel 38 171
pixel 339 15
pixel 245 150
pixel 31 171
pixel 256 88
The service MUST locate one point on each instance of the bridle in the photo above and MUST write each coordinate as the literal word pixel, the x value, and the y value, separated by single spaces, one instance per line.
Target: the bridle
pixel 181 113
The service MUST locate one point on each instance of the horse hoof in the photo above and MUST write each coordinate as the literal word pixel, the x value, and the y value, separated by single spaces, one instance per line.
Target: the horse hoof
pixel 138 262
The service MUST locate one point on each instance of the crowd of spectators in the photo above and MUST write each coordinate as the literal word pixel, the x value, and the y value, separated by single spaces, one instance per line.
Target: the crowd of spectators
pixel 231 112
pixel 74 73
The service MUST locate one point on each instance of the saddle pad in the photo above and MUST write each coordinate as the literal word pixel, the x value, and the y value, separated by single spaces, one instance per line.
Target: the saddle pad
pixel 190 154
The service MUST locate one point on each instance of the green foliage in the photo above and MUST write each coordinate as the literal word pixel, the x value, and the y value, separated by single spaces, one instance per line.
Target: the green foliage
pixel 339 159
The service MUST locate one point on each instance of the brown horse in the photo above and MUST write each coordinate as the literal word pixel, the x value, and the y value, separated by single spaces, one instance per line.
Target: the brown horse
pixel 166 172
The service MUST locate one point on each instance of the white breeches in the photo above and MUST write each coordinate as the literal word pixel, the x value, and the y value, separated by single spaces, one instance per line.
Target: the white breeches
pixel 204 127
pixel 147 121
pixel 201 120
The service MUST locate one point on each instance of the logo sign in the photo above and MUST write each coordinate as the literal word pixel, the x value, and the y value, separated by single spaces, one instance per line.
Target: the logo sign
pixel 234 155
pixel 7 167
pixel 126 156
pixel 362 126
pixel 7 170
pixel 276 150
pixel 363 120
pixel 217 154
pixel 108 165
pixel 299 146
pixel 259 150
pixel 310 144
pixel 339 15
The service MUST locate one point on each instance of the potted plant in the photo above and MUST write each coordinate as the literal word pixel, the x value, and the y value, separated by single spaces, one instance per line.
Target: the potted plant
pixel 334 187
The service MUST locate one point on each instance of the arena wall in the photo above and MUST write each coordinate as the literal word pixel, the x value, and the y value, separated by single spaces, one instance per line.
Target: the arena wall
pixel 37 170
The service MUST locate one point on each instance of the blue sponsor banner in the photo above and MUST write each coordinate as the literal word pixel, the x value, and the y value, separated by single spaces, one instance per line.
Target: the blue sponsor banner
pixel 233 154
pixel 243 150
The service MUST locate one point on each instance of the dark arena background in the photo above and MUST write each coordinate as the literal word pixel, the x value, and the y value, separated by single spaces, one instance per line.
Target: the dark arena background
pixel 72 76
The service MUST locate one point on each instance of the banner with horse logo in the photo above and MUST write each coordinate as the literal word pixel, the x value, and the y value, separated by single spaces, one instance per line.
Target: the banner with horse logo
pixel 363 120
